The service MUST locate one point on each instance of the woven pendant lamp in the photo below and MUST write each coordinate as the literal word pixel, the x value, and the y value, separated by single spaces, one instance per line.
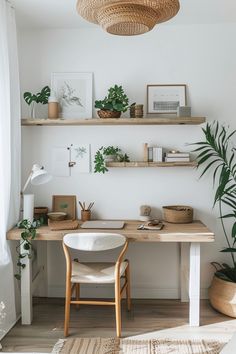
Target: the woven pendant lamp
pixel 127 18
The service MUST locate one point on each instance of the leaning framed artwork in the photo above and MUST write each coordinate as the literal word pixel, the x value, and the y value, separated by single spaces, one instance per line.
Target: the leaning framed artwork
pixel 75 94
pixel 66 204
pixel 165 99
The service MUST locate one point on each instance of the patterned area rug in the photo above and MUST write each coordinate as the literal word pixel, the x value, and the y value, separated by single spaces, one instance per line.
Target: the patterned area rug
pixel 128 346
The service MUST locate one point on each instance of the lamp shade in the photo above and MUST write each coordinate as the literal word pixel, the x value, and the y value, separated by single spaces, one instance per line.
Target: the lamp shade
pixel 127 17
pixel 39 175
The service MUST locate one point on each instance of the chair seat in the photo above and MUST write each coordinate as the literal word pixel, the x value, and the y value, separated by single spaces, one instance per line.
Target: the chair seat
pixel 95 272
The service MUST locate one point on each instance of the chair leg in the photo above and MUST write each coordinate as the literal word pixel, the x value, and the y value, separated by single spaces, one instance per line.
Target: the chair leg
pixel 118 308
pixel 67 308
pixel 77 294
pixel 127 276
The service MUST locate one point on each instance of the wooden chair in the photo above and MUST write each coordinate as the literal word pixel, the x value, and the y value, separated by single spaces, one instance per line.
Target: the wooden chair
pixel 99 273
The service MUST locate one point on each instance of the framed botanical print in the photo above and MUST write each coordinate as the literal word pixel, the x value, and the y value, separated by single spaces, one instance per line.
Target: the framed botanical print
pixel 74 92
pixel 66 204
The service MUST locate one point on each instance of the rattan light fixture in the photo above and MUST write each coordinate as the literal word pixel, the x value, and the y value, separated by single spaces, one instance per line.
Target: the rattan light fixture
pixel 127 18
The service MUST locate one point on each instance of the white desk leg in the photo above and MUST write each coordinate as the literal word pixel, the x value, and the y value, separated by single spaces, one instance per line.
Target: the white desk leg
pixel 26 290
pixel 42 265
pixel 194 285
pixel 184 271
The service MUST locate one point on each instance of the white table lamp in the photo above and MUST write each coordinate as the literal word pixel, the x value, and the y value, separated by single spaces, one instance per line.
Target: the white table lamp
pixel 36 177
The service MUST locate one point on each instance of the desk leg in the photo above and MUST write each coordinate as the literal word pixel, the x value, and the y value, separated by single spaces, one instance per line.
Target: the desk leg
pixel 184 271
pixel 42 266
pixel 194 284
pixel 26 290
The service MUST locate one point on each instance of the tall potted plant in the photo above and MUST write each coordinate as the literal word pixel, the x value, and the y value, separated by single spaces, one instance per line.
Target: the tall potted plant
pixel 217 153
pixel 113 104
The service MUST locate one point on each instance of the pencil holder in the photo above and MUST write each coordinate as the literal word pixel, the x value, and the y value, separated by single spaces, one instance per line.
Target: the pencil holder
pixel 85 215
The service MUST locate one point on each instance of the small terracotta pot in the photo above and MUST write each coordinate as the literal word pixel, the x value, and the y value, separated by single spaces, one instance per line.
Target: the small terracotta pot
pixel 108 114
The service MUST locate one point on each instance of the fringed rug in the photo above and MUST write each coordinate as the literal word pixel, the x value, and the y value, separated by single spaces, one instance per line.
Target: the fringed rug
pixel 129 346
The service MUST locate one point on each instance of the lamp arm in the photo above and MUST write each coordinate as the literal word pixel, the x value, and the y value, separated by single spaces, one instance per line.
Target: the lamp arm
pixel 27 182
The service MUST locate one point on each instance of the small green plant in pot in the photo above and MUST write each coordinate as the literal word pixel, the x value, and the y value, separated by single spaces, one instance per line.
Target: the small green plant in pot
pixel 217 153
pixel 41 97
pixel 108 154
pixel 113 104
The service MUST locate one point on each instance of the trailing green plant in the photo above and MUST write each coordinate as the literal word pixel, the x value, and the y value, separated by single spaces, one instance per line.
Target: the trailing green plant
pixel 116 100
pixel 100 157
pixel 27 235
pixel 40 97
pixel 217 154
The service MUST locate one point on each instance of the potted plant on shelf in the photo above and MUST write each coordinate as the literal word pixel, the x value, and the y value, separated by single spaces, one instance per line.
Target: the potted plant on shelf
pixel 41 97
pixel 108 154
pixel 113 104
pixel 218 154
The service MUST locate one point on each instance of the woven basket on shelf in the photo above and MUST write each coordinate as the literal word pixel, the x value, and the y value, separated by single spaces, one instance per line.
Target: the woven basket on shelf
pixel 108 114
pixel 178 214
pixel 130 17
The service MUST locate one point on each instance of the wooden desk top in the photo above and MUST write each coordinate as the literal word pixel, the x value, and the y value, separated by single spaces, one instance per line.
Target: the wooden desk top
pixel 194 232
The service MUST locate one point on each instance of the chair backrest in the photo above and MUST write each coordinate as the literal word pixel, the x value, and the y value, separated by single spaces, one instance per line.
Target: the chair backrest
pixel 94 241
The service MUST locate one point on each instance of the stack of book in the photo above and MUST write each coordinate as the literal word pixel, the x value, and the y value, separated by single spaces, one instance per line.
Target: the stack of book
pixel 155 154
pixel 177 157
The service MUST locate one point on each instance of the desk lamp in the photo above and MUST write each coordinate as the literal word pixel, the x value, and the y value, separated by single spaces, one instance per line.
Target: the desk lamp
pixel 37 176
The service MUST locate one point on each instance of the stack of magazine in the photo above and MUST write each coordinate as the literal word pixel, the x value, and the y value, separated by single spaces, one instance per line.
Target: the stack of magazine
pixel 177 157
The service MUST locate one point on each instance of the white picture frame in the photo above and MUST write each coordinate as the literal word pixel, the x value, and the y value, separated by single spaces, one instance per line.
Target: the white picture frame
pixel 75 94
pixel 165 99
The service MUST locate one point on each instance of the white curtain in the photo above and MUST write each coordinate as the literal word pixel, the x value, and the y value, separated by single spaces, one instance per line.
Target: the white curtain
pixel 9 159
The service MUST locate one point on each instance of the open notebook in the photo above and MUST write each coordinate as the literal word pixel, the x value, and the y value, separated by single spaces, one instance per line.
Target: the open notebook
pixel 103 224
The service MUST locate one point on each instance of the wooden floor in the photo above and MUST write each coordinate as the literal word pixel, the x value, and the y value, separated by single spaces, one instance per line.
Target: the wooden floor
pixel 148 319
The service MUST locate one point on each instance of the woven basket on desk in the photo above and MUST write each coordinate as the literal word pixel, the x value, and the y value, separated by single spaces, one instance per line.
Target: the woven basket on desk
pixel 178 214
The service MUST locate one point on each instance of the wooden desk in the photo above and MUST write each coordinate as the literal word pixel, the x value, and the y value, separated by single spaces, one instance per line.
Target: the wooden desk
pixel 188 235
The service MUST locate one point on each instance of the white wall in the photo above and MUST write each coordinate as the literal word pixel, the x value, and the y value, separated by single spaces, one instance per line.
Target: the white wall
pixel 204 58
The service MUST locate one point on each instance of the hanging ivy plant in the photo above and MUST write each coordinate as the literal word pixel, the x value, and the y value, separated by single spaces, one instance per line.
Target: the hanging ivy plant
pixel 27 235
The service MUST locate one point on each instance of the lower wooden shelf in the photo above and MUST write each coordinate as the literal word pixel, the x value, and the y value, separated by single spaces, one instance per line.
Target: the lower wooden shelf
pixel 150 164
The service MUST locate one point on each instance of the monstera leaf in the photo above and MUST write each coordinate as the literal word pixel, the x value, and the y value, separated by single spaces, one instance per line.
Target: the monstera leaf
pixel 40 97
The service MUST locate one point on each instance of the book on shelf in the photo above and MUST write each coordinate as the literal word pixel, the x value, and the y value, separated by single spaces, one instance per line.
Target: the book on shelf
pixel 157 154
pixel 177 159
pixel 177 154
pixel 150 154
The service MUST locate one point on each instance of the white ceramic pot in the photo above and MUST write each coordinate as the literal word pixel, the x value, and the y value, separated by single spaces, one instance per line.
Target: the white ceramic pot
pixel 110 158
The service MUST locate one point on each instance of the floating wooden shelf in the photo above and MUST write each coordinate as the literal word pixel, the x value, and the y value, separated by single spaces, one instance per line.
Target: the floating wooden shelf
pixel 115 121
pixel 150 164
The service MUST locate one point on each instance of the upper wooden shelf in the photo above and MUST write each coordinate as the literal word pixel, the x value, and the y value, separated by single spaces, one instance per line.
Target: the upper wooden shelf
pixel 115 121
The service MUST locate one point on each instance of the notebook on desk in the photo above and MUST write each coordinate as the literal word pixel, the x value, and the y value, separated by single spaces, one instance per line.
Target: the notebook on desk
pixel 103 224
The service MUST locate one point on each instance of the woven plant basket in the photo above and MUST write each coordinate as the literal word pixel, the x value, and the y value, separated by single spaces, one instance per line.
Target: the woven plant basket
pixel 222 296
pixel 108 114
pixel 130 17
pixel 178 214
